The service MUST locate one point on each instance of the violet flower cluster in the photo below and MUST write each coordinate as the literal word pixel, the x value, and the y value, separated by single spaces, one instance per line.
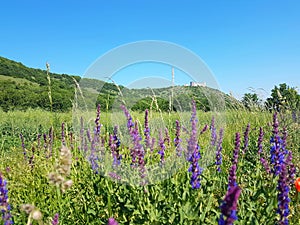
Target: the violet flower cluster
pixel 177 139
pixel 219 150
pixel 260 140
pixel 112 221
pixel 4 205
pixel 137 152
pixel 147 130
pixel 162 146
pixel 194 152
pixel 229 206
pixel 232 172
pixel 277 151
pixel 55 219
pixel 114 144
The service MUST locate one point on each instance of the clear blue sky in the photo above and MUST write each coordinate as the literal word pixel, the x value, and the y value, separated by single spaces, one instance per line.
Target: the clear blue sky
pixel 245 43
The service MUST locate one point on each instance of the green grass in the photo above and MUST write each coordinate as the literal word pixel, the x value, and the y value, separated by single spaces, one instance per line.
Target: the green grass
pixel 93 198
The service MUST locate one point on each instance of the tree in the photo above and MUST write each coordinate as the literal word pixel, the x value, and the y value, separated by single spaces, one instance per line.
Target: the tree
pixel 251 100
pixel 283 97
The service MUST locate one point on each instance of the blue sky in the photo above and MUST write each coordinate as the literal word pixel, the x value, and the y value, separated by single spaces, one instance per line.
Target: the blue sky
pixel 246 44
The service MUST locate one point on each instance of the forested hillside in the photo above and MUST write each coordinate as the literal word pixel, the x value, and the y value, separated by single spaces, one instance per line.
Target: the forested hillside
pixel 22 88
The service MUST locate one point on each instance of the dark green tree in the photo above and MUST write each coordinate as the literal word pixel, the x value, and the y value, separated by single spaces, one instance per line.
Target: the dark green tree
pixel 283 97
pixel 251 100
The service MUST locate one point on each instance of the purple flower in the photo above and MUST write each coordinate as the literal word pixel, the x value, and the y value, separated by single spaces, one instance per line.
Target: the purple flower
pixel 177 139
pixel 112 221
pixel 204 129
pixel 260 140
pixel 219 150
pixel 147 130
pixel 167 137
pixel 194 152
pixel 63 140
pixel 246 138
pixel 283 195
pixel 55 219
pixel 291 168
pixel 4 205
pixel 265 164
pixel 114 144
pixel 229 206
pixel 213 139
pixel 162 148
pixel 97 121
pixel 277 153
pixel 232 172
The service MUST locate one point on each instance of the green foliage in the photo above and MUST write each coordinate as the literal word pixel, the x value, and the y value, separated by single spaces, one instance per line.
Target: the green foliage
pixel 251 100
pixel 284 97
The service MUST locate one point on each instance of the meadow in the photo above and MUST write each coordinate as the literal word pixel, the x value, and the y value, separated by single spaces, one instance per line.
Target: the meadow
pixel 85 172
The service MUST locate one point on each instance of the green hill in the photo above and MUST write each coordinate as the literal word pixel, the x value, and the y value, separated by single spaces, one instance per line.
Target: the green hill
pixel 22 87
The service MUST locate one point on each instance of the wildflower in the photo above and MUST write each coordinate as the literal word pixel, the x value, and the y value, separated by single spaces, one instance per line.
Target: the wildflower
pixel 194 152
pixel 114 144
pixel 63 140
pixel 229 206
pixel 232 172
pixel 213 132
pixel 297 184
pixel 265 164
pixel 277 156
pixel 97 121
pixel 162 148
pixel 177 139
pixel 204 129
pixel 4 205
pixel 112 221
pixel 260 140
pixel 55 219
pixel 283 195
pixel 246 138
pixel 147 130
pixel 219 150
pixel 167 137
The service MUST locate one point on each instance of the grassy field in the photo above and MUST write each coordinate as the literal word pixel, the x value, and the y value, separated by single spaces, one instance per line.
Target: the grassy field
pixel 38 171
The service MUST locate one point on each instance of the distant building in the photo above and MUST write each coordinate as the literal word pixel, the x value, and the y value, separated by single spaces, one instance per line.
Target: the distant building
pixel 196 84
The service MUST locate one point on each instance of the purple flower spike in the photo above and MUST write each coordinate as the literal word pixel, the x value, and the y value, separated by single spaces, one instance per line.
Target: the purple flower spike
pixel 114 144
pixel 265 164
pixel 283 195
pixel 112 221
pixel 55 219
pixel 213 133
pixel 167 137
pixel 260 140
pixel 246 138
pixel 63 140
pixel 232 172
pixel 204 129
pixel 194 152
pixel 219 150
pixel 97 121
pixel 277 153
pixel 4 205
pixel 162 148
pixel 23 145
pixel 177 139
pixel 229 206
pixel 147 130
